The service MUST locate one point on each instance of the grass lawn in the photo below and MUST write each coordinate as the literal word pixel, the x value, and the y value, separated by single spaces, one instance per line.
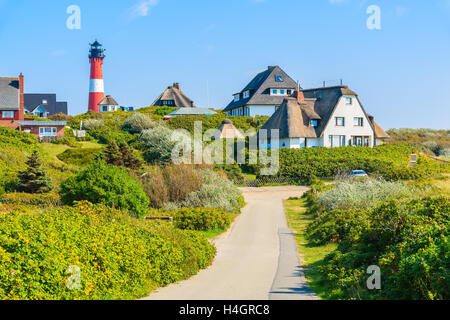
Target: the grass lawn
pixel 311 256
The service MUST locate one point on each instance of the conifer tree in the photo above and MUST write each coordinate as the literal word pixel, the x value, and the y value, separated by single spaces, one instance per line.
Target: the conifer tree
pixel 112 155
pixel 129 160
pixel 34 179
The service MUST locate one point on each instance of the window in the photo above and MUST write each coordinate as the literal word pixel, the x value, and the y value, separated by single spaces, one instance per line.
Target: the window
pixel 358 122
pixel 314 123
pixel 168 102
pixel 366 141
pixel 274 91
pixel 349 100
pixel 282 91
pixel 44 101
pixel 236 97
pixel 289 92
pixel 246 94
pixel 47 132
pixel 340 122
pixel 357 141
pixel 337 141
pixel 105 108
pixel 279 78
pixel 7 114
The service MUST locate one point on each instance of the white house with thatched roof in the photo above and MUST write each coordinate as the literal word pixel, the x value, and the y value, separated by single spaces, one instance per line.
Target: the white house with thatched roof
pixel 227 130
pixel 108 104
pixel 321 117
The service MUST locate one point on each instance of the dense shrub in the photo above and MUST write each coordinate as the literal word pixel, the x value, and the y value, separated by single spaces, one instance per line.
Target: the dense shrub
pixel 121 156
pixel 91 124
pixel 407 239
pixel 112 186
pixel 159 143
pixel 60 117
pixel 172 183
pixel 138 122
pixel 162 111
pixel 107 136
pixel 118 257
pixel 366 193
pixel 202 219
pixel 79 157
pixel 215 192
pixel 20 139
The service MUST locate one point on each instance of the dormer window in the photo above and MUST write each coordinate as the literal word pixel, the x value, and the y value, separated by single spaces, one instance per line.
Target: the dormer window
pixel 314 123
pixel 168 102
pixel 279 78
pixel 246 94
pixel 44 102
pixel 236 97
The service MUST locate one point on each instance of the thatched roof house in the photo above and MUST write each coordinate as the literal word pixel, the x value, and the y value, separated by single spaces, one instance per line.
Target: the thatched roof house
pixel 173 96
pixel 228 131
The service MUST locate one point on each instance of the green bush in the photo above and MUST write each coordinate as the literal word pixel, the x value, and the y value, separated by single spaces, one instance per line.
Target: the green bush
pixel 112 186
pixel 201 219
pixel 79 157
pixel 408 240
pixel 118 257
pixel 163 111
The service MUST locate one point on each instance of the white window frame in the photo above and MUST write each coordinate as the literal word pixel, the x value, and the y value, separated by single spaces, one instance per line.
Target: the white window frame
pixel 246 94
pixel 51 133
pixel 237 97
pixel 349 100
pixel 45 101
pixel 4 113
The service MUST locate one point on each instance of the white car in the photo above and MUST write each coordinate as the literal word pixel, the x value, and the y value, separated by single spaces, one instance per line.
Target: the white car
pixel 358 173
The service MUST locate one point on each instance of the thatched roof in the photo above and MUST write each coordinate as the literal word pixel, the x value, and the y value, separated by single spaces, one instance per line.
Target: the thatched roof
pixel 293 120
pixel 108 101
pixel 379 132
pixel 228 131
pixel 175 94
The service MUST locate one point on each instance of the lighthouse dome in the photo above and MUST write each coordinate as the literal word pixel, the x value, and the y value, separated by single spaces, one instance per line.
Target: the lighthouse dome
pixel 96 50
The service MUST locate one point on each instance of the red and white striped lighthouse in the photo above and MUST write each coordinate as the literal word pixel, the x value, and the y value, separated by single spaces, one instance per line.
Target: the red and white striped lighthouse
pixel 96 87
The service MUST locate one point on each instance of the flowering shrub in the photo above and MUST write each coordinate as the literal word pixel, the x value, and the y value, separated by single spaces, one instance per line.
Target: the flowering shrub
pixel 118 257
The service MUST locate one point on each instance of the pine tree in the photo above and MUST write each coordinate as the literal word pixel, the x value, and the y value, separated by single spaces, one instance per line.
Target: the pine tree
pixel 129 160
pixel 112 155
pixel 34 179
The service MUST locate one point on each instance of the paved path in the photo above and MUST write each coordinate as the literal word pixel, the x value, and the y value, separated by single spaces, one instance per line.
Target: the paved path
pixel 256 259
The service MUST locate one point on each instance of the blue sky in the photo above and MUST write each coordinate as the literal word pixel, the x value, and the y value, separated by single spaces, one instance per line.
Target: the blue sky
pixel 401 72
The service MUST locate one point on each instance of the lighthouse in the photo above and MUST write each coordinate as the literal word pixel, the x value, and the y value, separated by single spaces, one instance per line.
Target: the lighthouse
pixel 96 87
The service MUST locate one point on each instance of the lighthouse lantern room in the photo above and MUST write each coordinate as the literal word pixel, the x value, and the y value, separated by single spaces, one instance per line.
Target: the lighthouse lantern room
pixel 96 87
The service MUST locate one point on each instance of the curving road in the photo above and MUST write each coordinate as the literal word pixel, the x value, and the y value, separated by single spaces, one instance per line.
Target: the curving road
pixel 256 259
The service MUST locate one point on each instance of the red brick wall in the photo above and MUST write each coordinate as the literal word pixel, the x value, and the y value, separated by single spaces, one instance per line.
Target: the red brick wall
pixel 13 124
pixel 21 98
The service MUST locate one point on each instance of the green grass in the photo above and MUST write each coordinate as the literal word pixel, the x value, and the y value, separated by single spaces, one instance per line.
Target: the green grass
pixel 311 256
pixel 210 234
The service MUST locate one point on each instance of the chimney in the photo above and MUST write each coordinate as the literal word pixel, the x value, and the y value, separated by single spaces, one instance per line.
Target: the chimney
pixel 299 94
pixel 21 98
pixel 176 85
